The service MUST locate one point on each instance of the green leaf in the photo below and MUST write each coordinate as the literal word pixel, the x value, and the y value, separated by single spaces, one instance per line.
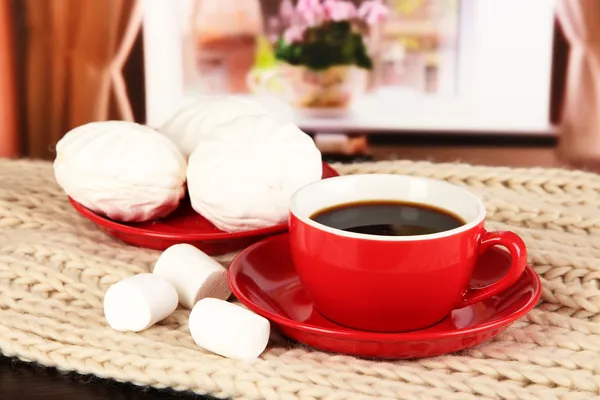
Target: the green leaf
pixel 265 55
pixel 324 46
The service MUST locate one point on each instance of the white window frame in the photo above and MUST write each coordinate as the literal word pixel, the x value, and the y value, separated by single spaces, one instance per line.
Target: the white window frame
pixel 504 69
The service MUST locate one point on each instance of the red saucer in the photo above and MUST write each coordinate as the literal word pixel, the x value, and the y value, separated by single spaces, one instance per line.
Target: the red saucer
pixel 184 225
pixel 263 278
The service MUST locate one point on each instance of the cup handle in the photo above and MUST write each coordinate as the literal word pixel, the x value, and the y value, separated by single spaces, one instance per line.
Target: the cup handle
pixel 518 255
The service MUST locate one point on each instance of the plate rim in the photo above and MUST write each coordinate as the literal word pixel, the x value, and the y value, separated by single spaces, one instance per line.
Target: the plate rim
pixel 366 336
pixel 214 236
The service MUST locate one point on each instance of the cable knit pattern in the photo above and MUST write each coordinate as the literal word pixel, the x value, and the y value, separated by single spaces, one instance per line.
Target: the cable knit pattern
pixel 55 267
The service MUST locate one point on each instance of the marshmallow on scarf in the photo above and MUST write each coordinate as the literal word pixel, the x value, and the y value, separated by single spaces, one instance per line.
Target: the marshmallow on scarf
pixel 138 302
pixel 194 274
pixel 228 330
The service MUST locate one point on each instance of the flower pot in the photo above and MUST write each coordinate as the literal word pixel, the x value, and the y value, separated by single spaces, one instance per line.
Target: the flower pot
pixel 326 91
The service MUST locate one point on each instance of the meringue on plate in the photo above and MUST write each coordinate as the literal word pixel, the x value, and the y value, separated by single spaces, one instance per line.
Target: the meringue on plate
pixel 194 121
pixel 123 170
pixel 243 175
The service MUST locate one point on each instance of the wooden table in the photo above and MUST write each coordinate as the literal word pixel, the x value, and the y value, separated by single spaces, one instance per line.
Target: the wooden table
pixel 26 381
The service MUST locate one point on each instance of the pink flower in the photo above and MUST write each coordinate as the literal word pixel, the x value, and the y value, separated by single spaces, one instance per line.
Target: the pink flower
pixel 311 11
pixel 372 11
pixel 337 10
pixel 294 34
pixel 286 10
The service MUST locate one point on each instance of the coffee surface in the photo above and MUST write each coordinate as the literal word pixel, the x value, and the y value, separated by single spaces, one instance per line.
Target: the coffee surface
pixel 388 218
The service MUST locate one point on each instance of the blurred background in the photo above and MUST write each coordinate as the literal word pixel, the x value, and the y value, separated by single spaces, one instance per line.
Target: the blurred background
pixel 481 81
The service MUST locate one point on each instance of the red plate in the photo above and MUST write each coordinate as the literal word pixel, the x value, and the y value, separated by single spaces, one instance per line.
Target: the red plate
pixel 184 225
pixel 263 278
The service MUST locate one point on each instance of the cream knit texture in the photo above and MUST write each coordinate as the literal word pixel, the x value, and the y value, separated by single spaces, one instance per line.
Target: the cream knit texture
pixel 55 267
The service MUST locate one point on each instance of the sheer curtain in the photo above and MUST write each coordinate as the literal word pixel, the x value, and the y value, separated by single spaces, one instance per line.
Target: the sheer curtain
pixel 75 52
pixel 580 124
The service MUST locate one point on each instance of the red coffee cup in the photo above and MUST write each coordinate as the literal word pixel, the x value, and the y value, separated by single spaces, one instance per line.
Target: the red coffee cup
pixel 393 283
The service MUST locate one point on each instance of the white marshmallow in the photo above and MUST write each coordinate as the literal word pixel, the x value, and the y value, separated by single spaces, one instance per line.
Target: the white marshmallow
pixel 228 330
pixel 243 176
pixel 194 274
pixel 138 302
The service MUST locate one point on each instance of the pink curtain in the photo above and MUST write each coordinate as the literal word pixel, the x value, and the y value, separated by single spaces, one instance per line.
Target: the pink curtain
pixel 580 124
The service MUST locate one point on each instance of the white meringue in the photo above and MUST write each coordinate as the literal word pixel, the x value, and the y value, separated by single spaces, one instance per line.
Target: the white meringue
pixel 275 107
pixel 189 125
pixel 123 170
pixel 243 176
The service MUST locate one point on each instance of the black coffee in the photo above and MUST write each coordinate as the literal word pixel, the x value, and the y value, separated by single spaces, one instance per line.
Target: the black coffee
pixel 388 218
